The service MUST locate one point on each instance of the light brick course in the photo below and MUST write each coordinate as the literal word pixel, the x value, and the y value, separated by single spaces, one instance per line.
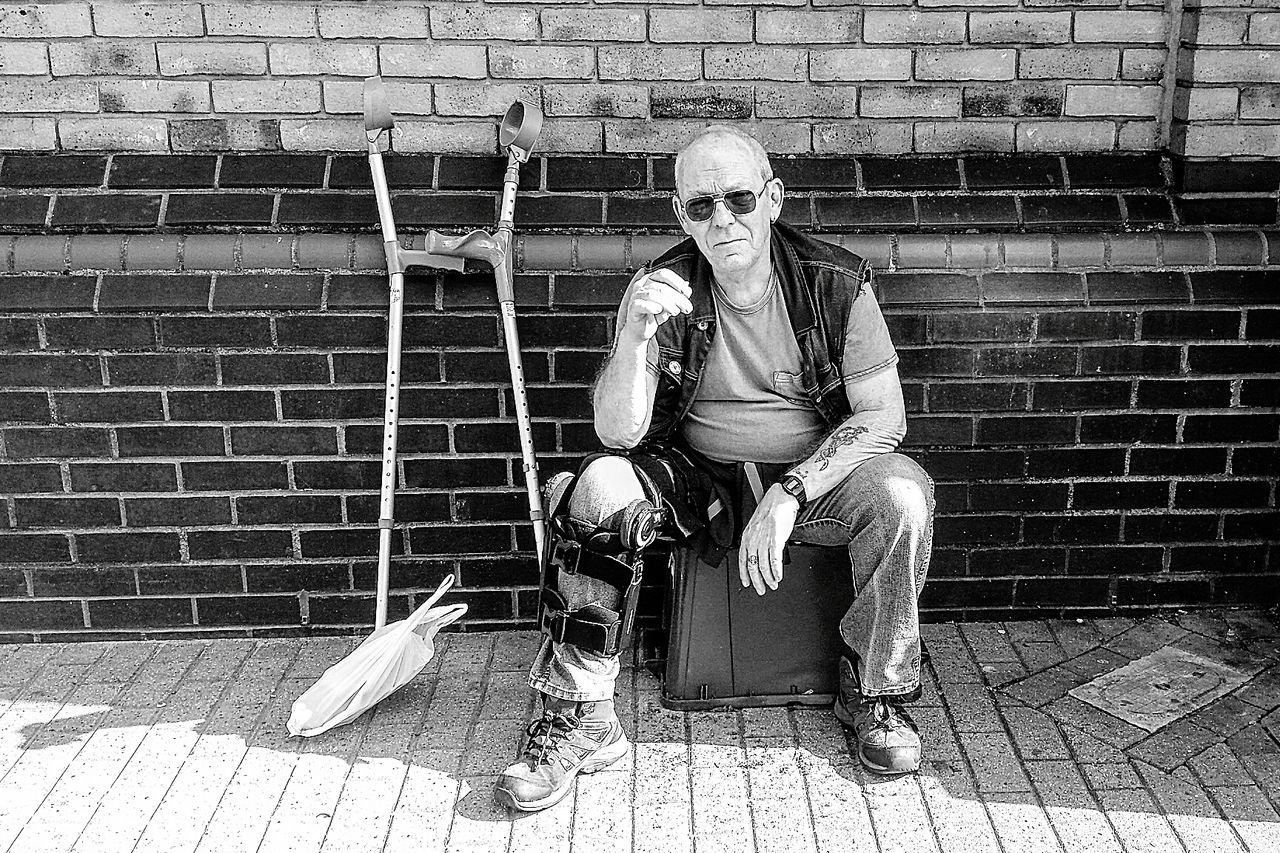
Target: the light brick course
pixel 154 96
pixel 266 96
pixel 113 134
pixel 807 27
pixel 797 101
pixel 616 101
pixel 1148 27
pixel 649 63
pixel 148 19
pixel 461 22
pixel 1113 100
pixel 593 25
pixel 182 60
pixel 549 63
pixel 45 20
pixel 748 63
pixel 342 60
pixel 881 26
pixel 700 27
pixel 103 57
pixel 372 20
pixel 433 60
pixel 967 64
pixel 271 20
pixel 23 58
pixel 1020 27
pixel 861 64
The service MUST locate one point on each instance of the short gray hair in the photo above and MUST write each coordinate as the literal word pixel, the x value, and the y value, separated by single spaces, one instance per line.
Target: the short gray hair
pixel 748 141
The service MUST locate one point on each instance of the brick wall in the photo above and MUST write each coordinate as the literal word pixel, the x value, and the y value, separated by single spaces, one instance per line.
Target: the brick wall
pixel 1228 100
pixel 192 355
pixel 835 77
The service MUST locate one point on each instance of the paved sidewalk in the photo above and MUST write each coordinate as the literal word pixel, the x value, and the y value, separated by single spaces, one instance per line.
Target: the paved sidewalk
pixel 176 746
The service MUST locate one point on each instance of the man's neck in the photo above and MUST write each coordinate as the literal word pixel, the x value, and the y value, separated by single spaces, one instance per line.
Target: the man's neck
pixel 747 287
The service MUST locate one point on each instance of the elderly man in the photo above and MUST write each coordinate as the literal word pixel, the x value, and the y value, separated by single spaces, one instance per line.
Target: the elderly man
pixel 749 345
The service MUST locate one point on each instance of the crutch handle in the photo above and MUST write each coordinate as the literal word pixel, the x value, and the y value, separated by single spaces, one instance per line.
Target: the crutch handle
pixel 478 245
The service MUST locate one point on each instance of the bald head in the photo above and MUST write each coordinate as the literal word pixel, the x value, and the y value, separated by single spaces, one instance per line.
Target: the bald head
pixel 723 139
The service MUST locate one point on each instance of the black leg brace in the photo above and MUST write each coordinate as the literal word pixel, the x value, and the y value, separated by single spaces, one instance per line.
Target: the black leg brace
pixel 613 554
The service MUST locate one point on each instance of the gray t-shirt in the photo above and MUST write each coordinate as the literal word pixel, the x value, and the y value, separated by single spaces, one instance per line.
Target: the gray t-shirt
pixel 751 405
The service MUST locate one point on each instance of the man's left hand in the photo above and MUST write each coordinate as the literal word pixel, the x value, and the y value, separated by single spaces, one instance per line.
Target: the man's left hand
pixel 760 556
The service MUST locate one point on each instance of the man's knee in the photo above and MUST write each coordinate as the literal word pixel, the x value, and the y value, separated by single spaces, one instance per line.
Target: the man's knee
pixel 898 487
pixel 608 484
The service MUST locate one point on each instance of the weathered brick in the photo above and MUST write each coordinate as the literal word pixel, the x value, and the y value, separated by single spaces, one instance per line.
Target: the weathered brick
pixel 966 64
pixel 1212 104
pixel 342 60
pixel 433 60
pixel 947 136
pixel 649 63
pixel 148 19
pixel 45 20
pixel 677 100
pixel 271 20
pixel 461 22
pixel 1088 63
pixel 1217 27
pixel 374 20
pixel 1221 141
pixel 1139 136
pixel 324 135
pixel 701 26
pixel 28 134
pixel 883 26
pixel 113 134
pixel 154 96
pixel 182 59
pixel 1020 27
pixel 1264 28
pixel 865 137
pixel 596 25
pixel 596 99
pixel 18 95
pixel 749 63
pixel 266 96
pixel 23 58
pixel 1066 136
pixel 1123 27
pixel 1236 66
pixel 861 64
pixel 571 137
pixel 1142 63
pixel 1113 100
pixel 1259 102
pixel 648 136
pixel 347 96
pixel 805 100
pixel 480 99
pixel 806 26
pixel 893 101
pixel 525 63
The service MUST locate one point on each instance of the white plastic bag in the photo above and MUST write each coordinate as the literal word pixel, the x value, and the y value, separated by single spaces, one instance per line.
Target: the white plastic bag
pixel 381 665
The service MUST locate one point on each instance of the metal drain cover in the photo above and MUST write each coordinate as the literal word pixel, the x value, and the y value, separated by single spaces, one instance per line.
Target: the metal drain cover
pixel 1164 686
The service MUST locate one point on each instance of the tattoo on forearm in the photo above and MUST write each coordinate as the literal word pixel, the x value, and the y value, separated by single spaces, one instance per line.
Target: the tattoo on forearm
pixel 839 438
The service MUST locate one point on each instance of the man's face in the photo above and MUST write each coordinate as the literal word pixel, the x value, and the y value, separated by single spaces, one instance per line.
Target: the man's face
pixel 731 242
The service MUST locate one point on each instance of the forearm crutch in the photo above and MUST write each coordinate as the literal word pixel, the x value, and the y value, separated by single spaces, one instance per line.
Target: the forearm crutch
pixel 517 134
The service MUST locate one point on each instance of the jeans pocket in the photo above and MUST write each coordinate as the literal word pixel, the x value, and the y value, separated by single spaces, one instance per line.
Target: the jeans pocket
pixel 789 386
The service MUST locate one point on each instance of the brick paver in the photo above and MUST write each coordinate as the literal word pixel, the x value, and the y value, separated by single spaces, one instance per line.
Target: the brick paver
pixel 180 746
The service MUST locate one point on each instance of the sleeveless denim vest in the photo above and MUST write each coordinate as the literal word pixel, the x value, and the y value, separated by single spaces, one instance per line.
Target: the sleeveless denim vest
pixel 819 283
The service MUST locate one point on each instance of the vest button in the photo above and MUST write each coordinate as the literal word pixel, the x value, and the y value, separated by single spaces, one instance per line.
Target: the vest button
pixel 673 366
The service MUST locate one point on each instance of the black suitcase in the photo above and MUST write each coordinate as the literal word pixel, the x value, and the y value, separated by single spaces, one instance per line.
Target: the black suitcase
pixel 728 646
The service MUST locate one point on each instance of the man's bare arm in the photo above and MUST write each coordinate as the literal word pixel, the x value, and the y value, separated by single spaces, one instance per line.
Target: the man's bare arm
pixel 624 390
pixel 877 425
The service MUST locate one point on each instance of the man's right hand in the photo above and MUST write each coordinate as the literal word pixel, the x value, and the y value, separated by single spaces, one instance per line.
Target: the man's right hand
pixel 655 298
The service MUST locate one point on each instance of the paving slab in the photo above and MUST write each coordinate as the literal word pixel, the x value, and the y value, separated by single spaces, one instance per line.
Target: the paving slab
pixel 180 745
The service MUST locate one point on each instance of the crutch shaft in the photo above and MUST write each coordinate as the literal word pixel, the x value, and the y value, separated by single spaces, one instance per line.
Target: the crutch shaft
pixel 390 424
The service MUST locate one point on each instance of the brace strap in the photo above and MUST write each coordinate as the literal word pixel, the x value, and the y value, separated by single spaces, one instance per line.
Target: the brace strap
pixel 572 558
pixel 604 634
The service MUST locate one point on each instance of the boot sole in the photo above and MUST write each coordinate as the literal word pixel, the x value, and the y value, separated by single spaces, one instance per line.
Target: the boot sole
pixel 599 760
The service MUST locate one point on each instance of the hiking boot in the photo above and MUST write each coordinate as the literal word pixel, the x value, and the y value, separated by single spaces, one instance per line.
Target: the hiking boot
pixel 569 738
pixel 888 740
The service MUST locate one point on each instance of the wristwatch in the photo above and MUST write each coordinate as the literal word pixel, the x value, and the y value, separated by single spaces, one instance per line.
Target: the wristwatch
pixel 794 486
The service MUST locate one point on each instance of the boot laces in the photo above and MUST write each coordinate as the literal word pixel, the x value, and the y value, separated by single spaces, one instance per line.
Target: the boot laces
pixel 546 734
pixel 885 715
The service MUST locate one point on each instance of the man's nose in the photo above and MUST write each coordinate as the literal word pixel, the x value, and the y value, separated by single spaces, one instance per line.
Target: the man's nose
pixel 721 217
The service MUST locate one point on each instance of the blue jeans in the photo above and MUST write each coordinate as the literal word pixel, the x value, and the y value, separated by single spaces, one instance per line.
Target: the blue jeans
pixel 883 512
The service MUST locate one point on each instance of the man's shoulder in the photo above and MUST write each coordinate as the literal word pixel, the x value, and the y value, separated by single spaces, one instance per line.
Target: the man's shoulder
pixel 679 257
pixel 815 253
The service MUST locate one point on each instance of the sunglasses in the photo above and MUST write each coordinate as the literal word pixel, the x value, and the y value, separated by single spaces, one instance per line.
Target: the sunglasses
pixel 700 208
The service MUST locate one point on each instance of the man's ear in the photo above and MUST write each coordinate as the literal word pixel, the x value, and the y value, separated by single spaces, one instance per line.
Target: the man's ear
pixel 680 217
pixel 777 193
